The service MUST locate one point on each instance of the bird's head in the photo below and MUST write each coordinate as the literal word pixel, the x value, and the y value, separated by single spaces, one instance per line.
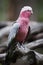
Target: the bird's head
pixel 26 12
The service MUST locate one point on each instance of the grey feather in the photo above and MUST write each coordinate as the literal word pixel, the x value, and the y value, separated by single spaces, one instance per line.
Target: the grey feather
pixel 13 32
pixel 11 42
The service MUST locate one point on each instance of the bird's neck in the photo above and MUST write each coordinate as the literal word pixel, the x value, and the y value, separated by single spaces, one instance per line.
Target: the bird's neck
pixel 23 20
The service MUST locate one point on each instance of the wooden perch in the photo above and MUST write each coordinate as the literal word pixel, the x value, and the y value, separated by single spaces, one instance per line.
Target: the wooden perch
pixel 26 50
pixel 4 31
pixel 6 23
pixel 2 26
pixel 36 27
pixel 35 44
pixel 38 56
pixel 2 57
pixel 28 54
pixel 34 36
pixel 31 45
pixel 38 36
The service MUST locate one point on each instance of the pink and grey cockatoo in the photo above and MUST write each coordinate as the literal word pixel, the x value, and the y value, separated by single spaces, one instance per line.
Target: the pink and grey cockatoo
pixel 20 29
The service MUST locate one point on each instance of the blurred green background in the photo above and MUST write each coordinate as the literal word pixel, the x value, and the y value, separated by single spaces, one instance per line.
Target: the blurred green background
pixel 9 9
pixel 3 9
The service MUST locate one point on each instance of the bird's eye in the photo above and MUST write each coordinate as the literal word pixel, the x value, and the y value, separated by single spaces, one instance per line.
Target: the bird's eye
pixel 29 10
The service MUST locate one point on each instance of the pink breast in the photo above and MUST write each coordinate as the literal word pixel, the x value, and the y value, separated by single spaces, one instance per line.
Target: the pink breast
pixel 22 33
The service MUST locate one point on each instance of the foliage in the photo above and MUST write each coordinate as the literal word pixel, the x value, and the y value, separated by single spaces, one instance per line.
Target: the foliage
pixel 3 9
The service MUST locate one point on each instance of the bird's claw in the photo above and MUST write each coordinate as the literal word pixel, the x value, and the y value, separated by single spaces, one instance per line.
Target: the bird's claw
pixel 22 48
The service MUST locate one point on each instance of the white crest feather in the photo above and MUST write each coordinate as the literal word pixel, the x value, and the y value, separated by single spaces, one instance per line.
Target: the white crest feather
pixel 25 8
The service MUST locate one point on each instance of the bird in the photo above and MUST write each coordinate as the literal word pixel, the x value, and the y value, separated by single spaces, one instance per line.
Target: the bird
pixel 19 30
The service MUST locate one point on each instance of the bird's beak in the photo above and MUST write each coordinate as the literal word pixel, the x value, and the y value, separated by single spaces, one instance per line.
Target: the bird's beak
pixel 31 12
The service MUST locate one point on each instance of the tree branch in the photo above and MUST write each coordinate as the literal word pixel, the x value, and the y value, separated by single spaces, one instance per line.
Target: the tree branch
pixel 5 31
pixel 2 57
pixel 34 44
pixel 31 45
pixel 29 54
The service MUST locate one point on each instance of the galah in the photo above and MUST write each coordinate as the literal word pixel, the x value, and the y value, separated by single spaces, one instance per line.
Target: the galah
pixel 19 29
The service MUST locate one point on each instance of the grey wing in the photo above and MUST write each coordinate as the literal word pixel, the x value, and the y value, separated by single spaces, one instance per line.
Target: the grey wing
pixel 11 42
pixel 13 32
